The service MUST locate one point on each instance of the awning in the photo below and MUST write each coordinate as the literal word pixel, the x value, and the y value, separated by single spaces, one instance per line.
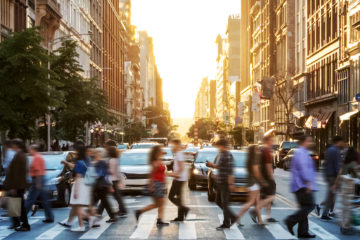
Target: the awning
pixel 318 120
pixel 348 115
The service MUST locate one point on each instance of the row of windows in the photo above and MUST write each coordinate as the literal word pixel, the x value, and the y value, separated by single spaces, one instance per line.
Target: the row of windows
pixel 314 5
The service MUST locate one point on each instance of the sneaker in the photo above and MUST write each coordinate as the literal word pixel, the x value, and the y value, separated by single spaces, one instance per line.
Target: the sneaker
pixel 326 218
pixel 177 220
pixel 137 215
pixel 48 221
pixel 222 227
pixel 162 223
pixel 14 226
pixel 23 229
pixel 65 224
pixel 186 211
pixel 78 229
pixel 111 220
pixel 253 216
pixel 332 214
pixel 92 220
pixel 317 209
pixel 272 220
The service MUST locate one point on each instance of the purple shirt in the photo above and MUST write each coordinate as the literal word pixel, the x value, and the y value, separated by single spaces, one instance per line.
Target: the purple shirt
pixel 303 170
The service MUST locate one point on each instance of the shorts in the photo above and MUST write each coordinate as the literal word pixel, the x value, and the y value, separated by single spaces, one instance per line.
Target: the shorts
pixel 269 190
pixel 159 189
pixel 254 187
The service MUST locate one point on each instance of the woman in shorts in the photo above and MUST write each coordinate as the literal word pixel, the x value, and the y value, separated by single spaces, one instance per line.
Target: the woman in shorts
pixel 157 186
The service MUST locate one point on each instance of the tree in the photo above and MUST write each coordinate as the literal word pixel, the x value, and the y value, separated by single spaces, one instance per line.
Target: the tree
pixel 205 127
pixel 134 132
pixel 26 91
pixel 84 102
pixel 160 117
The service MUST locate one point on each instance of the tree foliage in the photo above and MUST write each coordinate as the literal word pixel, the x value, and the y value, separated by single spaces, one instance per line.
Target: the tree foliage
pixel 204 126
pixel 134 132
pixel 161 118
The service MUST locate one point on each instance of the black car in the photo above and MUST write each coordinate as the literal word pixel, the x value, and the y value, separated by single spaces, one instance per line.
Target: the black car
pixel 284 148
pixel 286 161
pixel 199 170
pixel 240 176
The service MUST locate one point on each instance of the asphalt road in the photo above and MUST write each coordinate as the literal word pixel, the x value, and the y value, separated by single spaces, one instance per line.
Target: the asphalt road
pixel 204 217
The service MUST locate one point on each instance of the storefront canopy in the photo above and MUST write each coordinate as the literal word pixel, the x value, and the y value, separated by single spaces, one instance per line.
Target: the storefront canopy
pixel 318 120
pixel 348 115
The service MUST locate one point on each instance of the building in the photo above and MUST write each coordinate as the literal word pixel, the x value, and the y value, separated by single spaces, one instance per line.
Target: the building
pixel 159 92
pixel 114 41
pixel 322 58
pixel 96 41
pixel 262 23
pixel 222 103
pixel 202 101
pixel 212 99
pixel 12 17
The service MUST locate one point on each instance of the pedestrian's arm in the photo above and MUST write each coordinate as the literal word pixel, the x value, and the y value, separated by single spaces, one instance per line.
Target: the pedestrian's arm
pixel 69 164
pixel 258 176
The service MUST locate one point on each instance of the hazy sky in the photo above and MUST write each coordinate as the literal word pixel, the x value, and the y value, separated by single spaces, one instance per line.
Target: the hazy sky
pixel 184 34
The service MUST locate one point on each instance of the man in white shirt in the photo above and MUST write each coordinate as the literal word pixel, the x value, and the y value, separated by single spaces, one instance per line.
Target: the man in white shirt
pixel 180 177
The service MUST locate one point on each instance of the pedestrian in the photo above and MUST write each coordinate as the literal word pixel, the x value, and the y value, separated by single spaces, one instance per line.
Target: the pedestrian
pixel 333 161
pixel 102 183
pixel 9 154
pixel 37 173
pixel 80 194
pixel 16 184
pixel 268 188
pixel 255 180
pixel 113 154
pixel 157 186
pixel 225 182
pixel 303 176
pixel 180 177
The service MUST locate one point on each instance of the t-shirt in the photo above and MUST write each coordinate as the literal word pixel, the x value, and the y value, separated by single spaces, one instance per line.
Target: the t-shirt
pixel 101 168
pixel 179 157
pixel 80 167
pixel 251 178
pixel 113 169
pixel 37 167
pixel 158 173
pixel 265 159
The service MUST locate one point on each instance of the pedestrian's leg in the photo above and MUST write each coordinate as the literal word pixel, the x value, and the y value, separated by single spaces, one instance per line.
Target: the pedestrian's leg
pixel 307 206
pixel 173 193
pixel 118 197
pixel 330 198
pixel 46 205
pixel 251 201
pixel 257 209
pixel 72 214
pixel 228 215
pixel 218 197
pixel 33 195
pixel 160 204
pixel 23 216
pixel 105 203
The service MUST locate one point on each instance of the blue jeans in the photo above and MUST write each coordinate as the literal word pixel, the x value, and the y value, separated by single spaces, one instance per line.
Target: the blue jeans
pixel 34 194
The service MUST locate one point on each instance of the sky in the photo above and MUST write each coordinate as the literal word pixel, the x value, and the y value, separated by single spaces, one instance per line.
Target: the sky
pixel 184 34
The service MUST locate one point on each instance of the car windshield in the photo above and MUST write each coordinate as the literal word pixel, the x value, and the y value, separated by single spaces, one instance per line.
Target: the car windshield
pixel 168 152
pixel 53 162
pixel 202 157
pixel 191 149
pixel 123 146
pixel 239 159
pixel 142 146
pixel 289 145
pixel 132 159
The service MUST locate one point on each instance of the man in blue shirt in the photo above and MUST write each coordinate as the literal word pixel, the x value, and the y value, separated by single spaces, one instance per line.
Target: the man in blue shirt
pixel 303 184
pixel 333 161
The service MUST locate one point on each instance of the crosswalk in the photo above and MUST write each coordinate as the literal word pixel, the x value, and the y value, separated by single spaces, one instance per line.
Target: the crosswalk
pixel 191 229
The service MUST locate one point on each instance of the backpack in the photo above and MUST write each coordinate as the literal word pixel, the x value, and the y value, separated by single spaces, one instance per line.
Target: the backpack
pixel 90 176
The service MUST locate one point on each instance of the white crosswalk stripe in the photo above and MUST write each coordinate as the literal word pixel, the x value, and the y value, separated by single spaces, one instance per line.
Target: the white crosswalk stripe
pixel 144 227
pixel 52 232
pixel 5 232
pixel 278 232
pixel 95 233
pixel 321 232
pixel 233 232
pixel 187 229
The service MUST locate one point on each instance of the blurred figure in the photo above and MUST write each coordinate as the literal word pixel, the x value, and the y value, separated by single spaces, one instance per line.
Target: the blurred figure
pixel 268 188
pixel 102 185
pixel 37 174
pixel 303 176
pixel 225 182
pixel 16 183
pixel 350 166
pixel 80 194
pixel 157 186
pixel 109 143
pixel 9 154
pixel 333 161
pixel 254 181
pixel 180 177
pixel 113 154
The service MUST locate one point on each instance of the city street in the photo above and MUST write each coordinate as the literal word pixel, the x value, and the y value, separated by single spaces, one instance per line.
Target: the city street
pixel 202 221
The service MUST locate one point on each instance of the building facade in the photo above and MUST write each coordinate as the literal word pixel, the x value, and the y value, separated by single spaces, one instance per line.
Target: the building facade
pixel 96 41
pixel 12 17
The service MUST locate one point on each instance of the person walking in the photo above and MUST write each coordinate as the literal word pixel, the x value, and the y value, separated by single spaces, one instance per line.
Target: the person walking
pixel 157 186
pixel 102 183
pixel 255 180
pixel 225 182
pixel 180 177
pixel 9 154
pixel 333 161
pixel 16 183
pixel 37 174
pixel 113 154
pixel 80 194
pixel 303 176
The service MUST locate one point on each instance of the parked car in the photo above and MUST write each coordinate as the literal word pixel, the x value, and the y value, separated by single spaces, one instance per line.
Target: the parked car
pixel 287 159
pixel 240 176
pixel 143 145
pixel 190 153
pixel 134 167
pixel 123 146
pixel 199 170
pixel 284 148
pixel 168 158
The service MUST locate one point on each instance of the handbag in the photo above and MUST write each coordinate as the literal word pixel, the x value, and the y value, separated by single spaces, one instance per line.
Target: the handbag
pixel 13 206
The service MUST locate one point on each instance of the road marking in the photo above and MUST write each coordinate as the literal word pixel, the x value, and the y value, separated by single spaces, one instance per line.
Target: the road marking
pixel 144 227
pixel 52 232
pixel 187 229
pixel 233 232
pixel 130 201
pixel 5 232
pixel 278 231
pixel 203 194
pixel 321 232
pixel 94 233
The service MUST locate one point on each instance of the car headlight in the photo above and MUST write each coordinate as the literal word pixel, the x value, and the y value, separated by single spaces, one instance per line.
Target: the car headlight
pixel 53 181
pixel 196 171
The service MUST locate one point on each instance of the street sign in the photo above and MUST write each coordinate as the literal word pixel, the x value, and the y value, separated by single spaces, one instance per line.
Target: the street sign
pixel 357 97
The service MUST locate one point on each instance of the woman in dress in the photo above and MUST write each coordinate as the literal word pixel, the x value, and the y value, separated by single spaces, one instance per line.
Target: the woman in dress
pixel 157 186
pixel 254 181
pixel 80 194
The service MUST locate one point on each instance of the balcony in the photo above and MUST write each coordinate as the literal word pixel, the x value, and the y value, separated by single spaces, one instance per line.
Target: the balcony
pixel 51 5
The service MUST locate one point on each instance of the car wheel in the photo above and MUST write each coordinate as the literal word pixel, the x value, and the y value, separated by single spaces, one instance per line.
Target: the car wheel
pixel 192 185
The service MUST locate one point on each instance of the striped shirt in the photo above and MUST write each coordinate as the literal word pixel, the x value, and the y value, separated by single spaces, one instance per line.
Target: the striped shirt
pixel 225 166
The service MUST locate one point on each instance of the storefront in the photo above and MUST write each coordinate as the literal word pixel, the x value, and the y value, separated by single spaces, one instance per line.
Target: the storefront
pixel 349 128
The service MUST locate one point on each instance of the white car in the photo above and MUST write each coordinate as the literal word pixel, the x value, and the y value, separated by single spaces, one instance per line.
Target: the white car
pixel 135 169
